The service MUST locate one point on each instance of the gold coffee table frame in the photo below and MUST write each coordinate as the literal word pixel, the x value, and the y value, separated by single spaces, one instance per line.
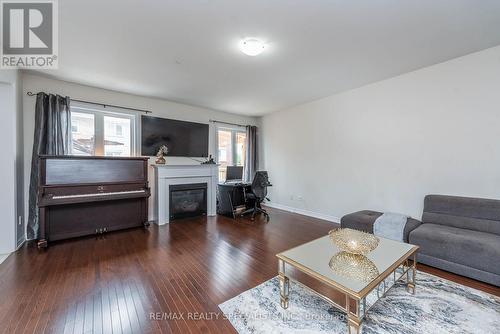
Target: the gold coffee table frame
pixel 355 314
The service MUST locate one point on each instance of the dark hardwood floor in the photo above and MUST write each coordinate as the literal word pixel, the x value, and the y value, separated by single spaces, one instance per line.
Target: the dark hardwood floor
pixel 182 270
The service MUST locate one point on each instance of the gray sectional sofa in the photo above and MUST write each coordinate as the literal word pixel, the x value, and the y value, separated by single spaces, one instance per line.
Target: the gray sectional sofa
pixel 364 220
pixel 460 235
pixel 457 234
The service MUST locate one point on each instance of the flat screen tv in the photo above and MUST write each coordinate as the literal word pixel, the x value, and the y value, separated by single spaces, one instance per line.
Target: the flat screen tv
pixel 183 139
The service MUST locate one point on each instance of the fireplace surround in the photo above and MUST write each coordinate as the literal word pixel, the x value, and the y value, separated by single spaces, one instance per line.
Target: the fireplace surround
pixel 168 175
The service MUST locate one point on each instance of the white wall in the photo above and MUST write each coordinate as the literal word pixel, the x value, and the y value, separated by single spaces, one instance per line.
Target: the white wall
pixel 386 145
pixel 159 107
pixel 10 182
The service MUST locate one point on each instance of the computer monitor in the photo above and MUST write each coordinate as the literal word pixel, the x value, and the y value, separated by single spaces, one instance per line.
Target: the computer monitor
pixel 234 173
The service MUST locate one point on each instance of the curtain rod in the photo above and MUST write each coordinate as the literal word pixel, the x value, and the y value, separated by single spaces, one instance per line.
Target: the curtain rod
pixel 100 104
pixel 221 122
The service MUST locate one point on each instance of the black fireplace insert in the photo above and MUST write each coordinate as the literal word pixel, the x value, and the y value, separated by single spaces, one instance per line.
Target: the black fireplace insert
pixel 187 200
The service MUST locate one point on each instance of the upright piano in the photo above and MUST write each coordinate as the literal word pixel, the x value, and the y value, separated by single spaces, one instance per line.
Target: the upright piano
pixel 82 195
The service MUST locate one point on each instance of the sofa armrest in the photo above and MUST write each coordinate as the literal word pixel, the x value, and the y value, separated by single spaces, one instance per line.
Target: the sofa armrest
pixel 411 224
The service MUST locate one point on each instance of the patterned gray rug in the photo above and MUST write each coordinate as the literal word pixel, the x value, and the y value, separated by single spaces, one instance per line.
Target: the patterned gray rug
pixel 439 306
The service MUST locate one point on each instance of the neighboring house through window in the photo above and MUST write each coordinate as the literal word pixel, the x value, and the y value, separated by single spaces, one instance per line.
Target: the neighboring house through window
pixel 109 131
pixel 119 130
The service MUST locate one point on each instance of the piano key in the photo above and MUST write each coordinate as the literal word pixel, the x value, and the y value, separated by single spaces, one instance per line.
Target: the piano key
pixel 100 194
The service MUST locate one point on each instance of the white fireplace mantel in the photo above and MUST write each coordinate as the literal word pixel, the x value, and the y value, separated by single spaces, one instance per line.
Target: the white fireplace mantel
pixel 165 175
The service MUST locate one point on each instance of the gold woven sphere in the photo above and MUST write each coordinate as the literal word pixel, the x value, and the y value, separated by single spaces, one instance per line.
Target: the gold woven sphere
pixel 354 266
pixel 353 241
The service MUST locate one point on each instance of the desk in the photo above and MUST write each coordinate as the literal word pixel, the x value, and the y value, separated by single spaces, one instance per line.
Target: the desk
pixel 230 196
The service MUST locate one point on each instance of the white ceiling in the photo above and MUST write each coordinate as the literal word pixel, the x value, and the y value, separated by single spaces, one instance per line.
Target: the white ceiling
pixel 187 50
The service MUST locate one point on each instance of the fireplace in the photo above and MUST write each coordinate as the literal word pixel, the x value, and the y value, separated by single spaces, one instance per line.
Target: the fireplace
pixel 187 200
pixel 170 175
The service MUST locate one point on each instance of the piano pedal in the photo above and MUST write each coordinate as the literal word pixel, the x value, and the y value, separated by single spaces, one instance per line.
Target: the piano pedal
pixel 100 231
pixel 42 244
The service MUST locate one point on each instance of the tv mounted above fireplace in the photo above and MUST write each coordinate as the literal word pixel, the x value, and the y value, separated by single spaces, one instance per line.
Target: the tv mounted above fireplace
pixel 183 139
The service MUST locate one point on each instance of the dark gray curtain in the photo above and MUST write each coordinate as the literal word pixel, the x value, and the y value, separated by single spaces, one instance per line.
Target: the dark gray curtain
pixel 53 137
pixel 251 157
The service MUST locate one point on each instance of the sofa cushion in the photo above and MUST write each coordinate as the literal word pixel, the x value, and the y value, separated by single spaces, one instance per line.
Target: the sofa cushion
pixel 360 220
pixel 470 248
pixel 476 214
pixel 364 220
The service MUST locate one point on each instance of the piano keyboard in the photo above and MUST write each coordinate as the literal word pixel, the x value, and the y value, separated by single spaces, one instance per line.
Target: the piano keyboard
pixel 101 194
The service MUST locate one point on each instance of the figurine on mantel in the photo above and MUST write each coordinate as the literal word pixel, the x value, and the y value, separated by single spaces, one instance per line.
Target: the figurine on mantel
pixel 160 156
pixel 209 161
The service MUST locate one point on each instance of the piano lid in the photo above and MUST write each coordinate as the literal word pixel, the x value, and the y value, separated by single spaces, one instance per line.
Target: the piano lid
pixel 70 170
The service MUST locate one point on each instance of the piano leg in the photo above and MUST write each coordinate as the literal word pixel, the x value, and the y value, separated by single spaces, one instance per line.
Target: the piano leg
pixel 42 241
pixel 145 214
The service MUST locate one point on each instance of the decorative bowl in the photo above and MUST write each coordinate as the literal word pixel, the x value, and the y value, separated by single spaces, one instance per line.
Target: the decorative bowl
pixel 353 241
pixel 354 266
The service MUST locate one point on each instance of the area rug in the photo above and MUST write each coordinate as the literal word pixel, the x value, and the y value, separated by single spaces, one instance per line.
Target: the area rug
pixel 439 306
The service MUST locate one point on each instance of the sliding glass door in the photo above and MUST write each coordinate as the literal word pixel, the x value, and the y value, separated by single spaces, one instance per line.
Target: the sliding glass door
pixel 231 149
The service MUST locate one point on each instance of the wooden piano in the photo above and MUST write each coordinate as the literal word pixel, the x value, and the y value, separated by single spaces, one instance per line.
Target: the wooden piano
pixel 81 195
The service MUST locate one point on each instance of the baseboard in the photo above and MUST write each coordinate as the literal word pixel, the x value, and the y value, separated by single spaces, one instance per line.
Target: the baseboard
pixel 20 243
pixel 3 257
pixel 303 212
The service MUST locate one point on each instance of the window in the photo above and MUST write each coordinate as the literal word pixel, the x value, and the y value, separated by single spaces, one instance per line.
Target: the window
pixel 74 126
pixel 109 132
pixel 119 130
pixel 117 143
pixel 82 133
pixel 231 149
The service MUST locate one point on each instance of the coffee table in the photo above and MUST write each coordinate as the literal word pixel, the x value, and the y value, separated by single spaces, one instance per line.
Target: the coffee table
pixel 360 280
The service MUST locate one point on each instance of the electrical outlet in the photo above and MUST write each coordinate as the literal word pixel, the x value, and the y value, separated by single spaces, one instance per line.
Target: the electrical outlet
pixel 300 198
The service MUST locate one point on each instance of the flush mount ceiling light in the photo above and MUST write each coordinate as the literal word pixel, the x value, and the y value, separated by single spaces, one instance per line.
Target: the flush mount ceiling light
pixel 252 46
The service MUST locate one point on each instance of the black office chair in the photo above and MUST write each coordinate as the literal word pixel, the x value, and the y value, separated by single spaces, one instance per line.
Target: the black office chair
pixel 258 194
